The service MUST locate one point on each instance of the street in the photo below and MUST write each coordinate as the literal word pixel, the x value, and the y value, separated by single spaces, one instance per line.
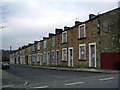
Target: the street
pixel 45 78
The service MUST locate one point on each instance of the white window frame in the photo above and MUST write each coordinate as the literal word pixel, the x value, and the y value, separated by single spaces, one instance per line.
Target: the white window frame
pixel 80 51
pixel 44 44
pixel 63 37
pixel 79 31
pixel 33 47
pixel 38 46
pixel 63 53
pixel 53 41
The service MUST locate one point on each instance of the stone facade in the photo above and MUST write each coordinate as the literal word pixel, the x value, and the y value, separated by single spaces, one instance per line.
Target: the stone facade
pixel 77 46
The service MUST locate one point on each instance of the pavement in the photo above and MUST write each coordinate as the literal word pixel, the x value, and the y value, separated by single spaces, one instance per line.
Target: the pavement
pixel 74 69
pixel 11 81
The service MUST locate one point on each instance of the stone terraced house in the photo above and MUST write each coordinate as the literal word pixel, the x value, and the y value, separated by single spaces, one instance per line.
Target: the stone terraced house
pixel 94 43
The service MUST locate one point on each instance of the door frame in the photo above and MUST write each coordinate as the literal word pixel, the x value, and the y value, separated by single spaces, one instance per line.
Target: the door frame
pixel 41 59
pixel 69 56
pixel 90 54
pixel 48 61
pixel 57 62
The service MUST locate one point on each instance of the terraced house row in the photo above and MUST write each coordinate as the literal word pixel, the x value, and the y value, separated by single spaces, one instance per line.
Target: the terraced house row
pixel 94 43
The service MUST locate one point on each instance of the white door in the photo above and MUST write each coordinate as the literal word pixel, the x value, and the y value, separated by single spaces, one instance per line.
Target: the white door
pixel 92 54
pixel 70 57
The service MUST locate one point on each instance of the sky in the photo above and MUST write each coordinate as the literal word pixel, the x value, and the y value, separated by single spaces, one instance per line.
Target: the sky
pixel 31 20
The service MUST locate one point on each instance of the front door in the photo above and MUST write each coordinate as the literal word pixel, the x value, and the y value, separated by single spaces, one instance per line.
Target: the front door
pixel 40 59
pixel 26 59
pixel 57 57
pixel 48 58
pixel 70 57
pixel 92 55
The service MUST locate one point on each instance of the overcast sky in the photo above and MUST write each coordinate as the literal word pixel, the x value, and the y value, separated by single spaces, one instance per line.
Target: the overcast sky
pixel 30 20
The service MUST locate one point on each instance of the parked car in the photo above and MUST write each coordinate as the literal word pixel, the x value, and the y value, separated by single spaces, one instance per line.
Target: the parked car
pixel 5 66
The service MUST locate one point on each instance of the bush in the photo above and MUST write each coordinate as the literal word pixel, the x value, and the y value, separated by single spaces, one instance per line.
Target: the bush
pixel 117 65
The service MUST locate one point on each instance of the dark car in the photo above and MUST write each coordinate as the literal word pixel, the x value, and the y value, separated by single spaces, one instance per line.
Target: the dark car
pixel 5 66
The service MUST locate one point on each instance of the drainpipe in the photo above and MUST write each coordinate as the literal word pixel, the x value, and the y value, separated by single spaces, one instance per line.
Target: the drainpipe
pixel 99 29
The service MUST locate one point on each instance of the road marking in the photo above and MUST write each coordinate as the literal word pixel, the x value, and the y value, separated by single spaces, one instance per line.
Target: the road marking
pixel 103 79
pixel 41 87
pixel 74 83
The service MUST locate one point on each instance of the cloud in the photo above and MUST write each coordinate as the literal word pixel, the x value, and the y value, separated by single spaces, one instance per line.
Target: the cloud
pixel 29 21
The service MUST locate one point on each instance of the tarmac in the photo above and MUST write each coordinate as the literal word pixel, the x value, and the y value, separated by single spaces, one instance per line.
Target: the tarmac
pixel 11 81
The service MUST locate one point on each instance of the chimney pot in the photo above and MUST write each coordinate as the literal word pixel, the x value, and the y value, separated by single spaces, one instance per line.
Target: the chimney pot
pixel 91 16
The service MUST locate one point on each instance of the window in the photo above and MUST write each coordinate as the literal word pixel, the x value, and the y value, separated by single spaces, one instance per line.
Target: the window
pixel 38 46
pixel 64 54
pixel 33 48
pixel 20 52
pixel 82 52
pixel 82 33
pixel 53 55
pixel 44 44
pixel 105 27
pixel 64 37
pixel 53 41
pixel 45 57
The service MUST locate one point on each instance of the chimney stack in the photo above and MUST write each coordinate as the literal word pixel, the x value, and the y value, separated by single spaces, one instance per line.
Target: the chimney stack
pixel 91 16
pixel 77 23
pixel 51 34
pixel 65 27
pixel 58 31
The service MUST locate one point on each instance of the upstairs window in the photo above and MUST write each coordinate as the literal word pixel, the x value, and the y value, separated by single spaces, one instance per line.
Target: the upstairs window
pixel 64 54
pixel 64 37
pixel 45 44
pixel 33 48
pixel 53 41
pixel 82 52
pixel 105 27
pixel 82 32
pixel 38 46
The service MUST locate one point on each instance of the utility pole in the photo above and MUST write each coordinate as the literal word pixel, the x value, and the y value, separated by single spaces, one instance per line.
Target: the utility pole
pixel 118 3
pixel 3 12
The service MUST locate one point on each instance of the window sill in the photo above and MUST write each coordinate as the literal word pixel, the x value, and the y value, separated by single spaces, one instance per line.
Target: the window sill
pixel 81 38
pixel 64 43
pixel 64 60
pixel 82 59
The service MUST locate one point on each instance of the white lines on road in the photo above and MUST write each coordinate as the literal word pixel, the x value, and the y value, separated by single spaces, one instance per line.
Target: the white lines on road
pixel 74 83
pixel 41 87
pixel 104 79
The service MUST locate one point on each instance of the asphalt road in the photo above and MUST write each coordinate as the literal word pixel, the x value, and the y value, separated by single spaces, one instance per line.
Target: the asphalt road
pixel 45 78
